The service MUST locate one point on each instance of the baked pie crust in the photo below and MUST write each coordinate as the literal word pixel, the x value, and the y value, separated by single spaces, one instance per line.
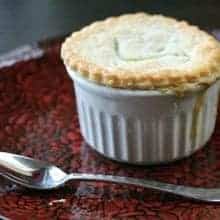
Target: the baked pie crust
pixel 142 51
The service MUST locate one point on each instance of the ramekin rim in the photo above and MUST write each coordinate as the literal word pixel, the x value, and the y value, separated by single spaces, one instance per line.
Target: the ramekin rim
pixel 88 84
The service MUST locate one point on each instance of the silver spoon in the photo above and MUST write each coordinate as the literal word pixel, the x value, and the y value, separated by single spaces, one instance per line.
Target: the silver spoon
pixel 41 175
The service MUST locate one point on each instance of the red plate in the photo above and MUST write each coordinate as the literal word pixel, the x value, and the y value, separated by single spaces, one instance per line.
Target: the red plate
pixel 38 118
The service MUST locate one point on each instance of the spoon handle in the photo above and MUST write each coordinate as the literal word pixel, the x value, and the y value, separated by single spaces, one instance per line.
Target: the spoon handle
pixel 201 194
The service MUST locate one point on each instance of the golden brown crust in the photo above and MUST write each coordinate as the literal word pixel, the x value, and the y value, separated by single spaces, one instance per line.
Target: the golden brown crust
pixel 203 67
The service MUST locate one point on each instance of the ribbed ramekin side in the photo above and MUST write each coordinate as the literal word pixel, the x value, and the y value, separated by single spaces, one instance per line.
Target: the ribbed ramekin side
pixel 138 139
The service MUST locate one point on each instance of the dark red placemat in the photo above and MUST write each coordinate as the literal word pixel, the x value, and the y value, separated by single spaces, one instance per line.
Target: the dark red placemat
pixel 38 118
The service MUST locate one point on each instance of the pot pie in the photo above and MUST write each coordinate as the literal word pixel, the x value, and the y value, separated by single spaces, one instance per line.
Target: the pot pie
pixel 146 86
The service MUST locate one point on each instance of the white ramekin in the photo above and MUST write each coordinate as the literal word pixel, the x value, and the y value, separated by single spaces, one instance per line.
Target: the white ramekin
pixel 144 127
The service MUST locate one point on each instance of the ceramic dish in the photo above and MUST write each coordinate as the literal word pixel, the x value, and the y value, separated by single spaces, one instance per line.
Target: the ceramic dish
pixel 144 127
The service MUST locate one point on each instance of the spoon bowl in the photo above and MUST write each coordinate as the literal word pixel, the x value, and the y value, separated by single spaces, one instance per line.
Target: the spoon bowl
pixel 30 172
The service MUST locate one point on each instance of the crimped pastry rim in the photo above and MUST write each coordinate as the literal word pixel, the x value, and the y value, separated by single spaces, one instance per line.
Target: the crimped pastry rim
pixel 163 79
pixel 125 92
